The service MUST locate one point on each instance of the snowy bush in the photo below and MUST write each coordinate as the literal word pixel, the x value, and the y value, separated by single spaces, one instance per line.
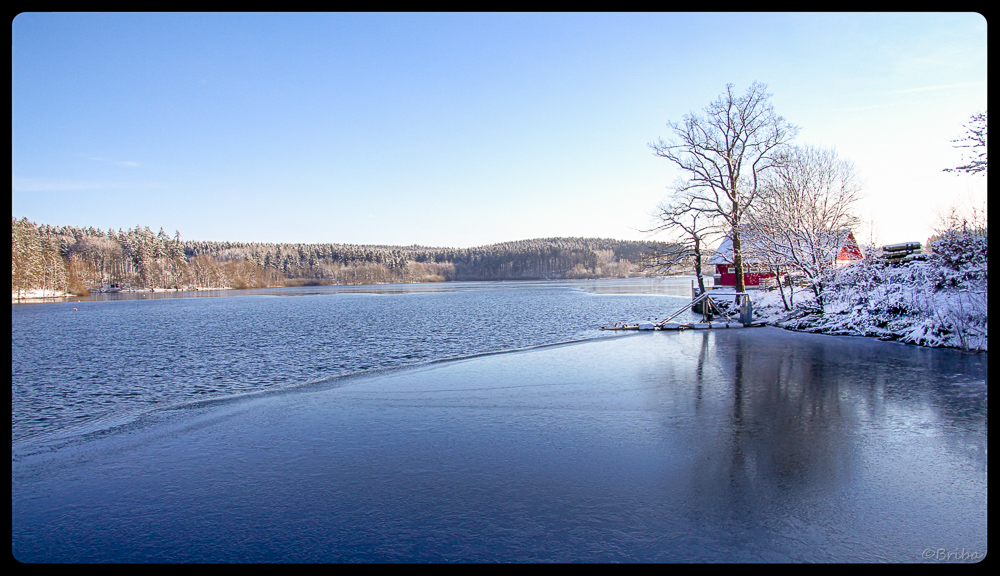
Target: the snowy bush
pixel 960 256
pixel 938 302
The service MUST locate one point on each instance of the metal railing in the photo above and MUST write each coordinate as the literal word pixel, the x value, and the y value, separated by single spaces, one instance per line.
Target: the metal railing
pixel 742 298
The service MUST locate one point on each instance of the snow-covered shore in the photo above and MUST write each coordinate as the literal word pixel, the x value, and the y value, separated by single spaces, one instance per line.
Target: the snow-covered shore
pixel 939 300
pixel 36 295
pixel 903 306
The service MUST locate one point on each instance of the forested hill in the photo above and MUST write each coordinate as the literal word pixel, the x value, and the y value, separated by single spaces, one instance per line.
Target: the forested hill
pixel 67 258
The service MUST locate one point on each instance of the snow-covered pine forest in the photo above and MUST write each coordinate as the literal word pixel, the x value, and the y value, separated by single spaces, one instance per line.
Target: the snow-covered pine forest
pixel 54 260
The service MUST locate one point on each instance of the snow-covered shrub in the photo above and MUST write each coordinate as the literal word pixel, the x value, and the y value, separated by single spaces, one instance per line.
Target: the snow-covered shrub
pixel 941 301
pixel 960 256
pixel 959 280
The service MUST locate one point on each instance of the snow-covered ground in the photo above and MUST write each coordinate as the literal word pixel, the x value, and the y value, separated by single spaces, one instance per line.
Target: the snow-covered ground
pixel 36 294
pixel 916 304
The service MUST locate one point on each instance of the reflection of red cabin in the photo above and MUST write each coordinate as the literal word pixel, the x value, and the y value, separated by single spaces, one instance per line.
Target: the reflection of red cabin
pixel 754 272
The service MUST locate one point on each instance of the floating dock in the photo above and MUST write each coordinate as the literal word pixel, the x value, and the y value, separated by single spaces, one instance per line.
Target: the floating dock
pixel 742 298
pixel 682 326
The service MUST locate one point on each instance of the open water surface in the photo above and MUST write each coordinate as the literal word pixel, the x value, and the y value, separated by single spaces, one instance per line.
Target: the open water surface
pixel 86 365
pixel 481 422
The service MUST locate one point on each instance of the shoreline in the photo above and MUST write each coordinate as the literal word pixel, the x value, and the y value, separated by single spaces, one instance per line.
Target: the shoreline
pixel 40 296
pixel 912 329
pixel 767 309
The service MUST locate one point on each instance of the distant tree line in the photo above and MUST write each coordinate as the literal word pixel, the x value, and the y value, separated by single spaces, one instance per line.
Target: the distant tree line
pixel 57 259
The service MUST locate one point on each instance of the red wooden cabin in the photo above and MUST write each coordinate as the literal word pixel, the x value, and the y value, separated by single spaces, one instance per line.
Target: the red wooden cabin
pixel 754 273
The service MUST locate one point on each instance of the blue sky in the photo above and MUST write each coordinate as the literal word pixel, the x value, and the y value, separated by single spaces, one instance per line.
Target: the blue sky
pixel 462 129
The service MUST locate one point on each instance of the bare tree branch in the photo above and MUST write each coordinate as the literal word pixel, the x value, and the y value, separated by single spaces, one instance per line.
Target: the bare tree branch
pixel 804 212
pixel 724 155
pixel 690 229
pixel 975 139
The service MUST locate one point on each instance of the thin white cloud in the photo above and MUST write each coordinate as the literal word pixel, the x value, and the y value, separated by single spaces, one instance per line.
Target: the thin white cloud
pixel 125 163
pixel 859 108
pixel 909 91
pixel 50 185
pixel 67 185
pixel 939 87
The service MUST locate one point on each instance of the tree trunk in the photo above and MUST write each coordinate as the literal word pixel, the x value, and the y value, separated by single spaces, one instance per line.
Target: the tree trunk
pixel 697 266
pixel 738 261
pixel 777 276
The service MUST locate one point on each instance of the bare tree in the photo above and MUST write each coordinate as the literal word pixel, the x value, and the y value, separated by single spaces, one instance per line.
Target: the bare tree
pixel 975 139
pixel 690 229
pixel 724 154
pixel 805 212
pixel 758 248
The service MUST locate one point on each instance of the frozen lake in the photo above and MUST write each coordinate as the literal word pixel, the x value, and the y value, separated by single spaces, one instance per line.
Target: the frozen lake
pixel 755 445
pixel 94 363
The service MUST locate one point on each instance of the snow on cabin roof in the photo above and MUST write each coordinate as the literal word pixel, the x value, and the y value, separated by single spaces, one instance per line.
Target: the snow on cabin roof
pixel 724 253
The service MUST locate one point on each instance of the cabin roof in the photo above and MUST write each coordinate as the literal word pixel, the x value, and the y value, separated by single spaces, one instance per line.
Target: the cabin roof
pixel 724 253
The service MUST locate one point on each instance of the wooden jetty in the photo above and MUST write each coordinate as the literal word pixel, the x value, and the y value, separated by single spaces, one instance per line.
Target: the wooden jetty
pixel 684 326
pixel 707 307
